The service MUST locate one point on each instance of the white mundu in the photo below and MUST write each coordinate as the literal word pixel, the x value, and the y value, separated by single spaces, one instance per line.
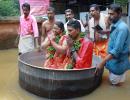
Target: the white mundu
pixel 26 44
pixel 115 79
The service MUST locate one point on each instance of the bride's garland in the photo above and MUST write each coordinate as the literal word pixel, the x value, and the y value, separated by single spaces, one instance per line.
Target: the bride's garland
pixel 51 49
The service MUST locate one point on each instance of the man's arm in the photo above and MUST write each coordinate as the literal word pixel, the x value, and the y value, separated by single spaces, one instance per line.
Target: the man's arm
pixel 43 31
pixel 36 39
pixel 107 58
pixel 35 31
pixel 107 22
pixel 102 64
pixel 119 42
pixel 45 43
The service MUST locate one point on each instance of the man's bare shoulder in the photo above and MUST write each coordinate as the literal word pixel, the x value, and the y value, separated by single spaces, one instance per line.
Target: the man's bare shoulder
pixel 46 22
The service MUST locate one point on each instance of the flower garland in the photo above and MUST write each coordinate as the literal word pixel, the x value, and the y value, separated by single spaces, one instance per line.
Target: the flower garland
pixel 75 47
pixel 77 43
pixel 51 49
pixel 82 34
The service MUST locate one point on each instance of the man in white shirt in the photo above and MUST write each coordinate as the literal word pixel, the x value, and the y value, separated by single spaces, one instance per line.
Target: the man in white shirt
pixel 69 14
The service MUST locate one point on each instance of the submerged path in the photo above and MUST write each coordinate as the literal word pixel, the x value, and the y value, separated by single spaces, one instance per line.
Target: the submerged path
pixel 10 89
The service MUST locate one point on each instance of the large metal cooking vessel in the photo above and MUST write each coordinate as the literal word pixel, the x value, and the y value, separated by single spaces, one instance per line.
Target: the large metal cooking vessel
pixel 55 84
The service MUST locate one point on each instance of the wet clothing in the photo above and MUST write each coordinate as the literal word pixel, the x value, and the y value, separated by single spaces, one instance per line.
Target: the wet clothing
pixel 119 43
pixel 115 79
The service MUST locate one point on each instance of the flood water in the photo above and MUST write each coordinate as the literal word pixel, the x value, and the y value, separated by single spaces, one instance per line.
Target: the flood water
pixel 10 89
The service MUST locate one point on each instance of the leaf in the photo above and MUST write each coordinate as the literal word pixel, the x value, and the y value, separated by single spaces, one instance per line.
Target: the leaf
pixel 9 8
pixel 57 38
pixel 51 56
pixel 50 48
pixel 77 45
pixel 82 35
pixel 69 66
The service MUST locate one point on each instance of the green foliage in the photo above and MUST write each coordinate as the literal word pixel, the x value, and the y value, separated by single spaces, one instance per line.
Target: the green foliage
pixel 82 35
pixel 57 38
pixel 121 2
pixel 51 48
pixel 64 33
pixel 69 66
pixel 76 45
pixel 124 6
pixel 9 8
pixel 51 56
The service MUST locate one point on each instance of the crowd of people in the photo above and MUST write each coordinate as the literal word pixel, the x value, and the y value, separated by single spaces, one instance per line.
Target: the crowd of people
pixel 69 46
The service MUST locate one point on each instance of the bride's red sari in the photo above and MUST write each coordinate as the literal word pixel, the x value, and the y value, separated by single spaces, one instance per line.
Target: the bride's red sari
pixel 59 61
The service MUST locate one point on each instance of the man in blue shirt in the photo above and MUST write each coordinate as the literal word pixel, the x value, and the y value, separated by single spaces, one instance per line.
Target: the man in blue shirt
pixel 117 60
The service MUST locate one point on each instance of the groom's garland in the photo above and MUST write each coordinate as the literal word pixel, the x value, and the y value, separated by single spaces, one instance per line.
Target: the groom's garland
pixel 76 46
pixel 77 43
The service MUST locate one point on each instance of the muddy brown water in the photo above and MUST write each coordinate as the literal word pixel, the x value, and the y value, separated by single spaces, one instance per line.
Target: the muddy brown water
pixel 10 89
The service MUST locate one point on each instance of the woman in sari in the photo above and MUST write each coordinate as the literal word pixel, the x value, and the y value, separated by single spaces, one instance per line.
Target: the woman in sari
pixel 56 48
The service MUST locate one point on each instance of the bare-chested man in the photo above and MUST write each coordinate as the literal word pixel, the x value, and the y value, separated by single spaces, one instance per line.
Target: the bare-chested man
pixel 99 30
pixel 48 24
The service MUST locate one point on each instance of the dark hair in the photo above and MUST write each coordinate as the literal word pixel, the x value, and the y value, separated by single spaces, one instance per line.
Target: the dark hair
pixel 75 24
pixel 116 8
pixel 26 5
pixel 60 25
pixel 95 6
pixel 51 9
pixel 69 10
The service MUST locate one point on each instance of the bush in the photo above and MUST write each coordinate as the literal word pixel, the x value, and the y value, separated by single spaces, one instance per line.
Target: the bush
pixel 121 2
pixel 9 8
